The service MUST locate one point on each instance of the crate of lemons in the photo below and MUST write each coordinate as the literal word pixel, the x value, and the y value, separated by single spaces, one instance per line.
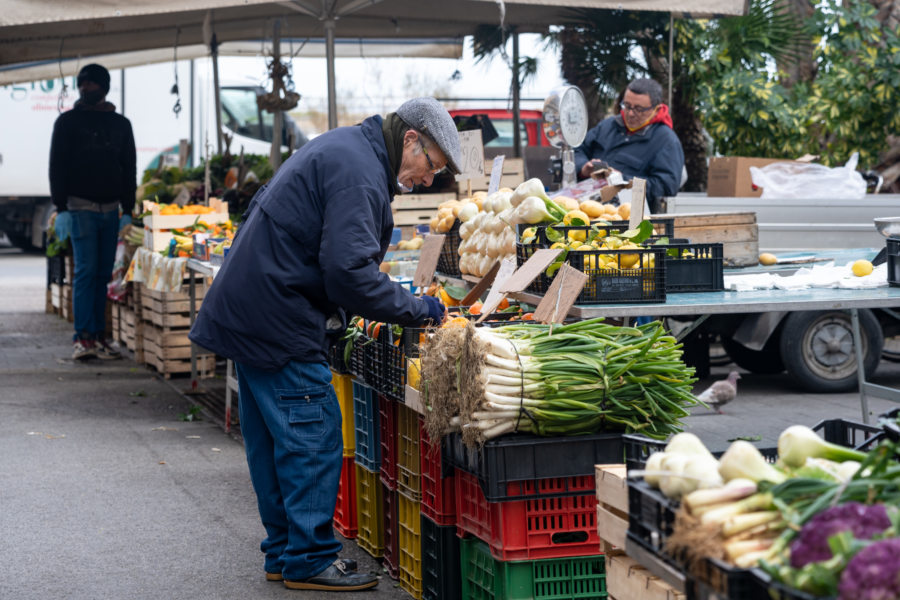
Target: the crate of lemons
pixel 593 244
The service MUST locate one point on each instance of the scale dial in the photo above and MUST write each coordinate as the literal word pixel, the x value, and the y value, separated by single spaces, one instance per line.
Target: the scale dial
pixel 565 117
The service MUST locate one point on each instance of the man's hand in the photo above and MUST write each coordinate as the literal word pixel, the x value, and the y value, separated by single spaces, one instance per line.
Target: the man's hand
pixel 437 312
pixel 587 169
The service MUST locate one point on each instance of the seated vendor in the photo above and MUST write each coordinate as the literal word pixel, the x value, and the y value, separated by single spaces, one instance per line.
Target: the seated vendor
pixel 639 142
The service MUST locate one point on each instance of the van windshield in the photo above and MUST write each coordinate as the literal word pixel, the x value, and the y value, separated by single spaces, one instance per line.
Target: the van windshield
pixel 241 115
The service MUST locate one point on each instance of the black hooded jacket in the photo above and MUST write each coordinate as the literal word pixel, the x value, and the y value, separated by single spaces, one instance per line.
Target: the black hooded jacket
pixel 92 156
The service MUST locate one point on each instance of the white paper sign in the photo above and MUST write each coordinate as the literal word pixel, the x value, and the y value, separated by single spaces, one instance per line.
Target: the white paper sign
pixel 472 151
pixel 496 174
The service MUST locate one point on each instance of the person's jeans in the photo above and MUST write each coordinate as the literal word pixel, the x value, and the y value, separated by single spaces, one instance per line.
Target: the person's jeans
pixel 291 425
pixel 94 236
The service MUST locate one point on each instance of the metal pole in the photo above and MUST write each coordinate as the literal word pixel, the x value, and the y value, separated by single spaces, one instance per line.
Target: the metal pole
pixel 329 61
pixel 193 108
pixel 214 47
pixel 860 364
pixel 277 119
pixel 671 52
pixel 122 91
pixel 517 135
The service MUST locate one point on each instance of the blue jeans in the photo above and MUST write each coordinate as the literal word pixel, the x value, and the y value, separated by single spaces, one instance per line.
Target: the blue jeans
pixel 291 424
pixel 94 237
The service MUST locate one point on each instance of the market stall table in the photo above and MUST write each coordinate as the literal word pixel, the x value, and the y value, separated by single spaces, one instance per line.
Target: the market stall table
pixel 207 269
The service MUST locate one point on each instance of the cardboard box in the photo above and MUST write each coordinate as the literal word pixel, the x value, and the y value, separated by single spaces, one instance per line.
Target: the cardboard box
pixel 729 176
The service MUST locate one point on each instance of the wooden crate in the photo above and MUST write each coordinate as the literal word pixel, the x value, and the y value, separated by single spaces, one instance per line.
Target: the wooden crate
pixel 156 221
pixel 206 365
pixel 626 579
pixel 612 507
pixel 417 209
pixel 513 175
pixel 66 303
pixel 738 233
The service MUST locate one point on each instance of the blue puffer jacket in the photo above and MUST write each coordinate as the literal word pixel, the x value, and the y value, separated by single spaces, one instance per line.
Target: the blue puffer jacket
pixel 653 153
pixel 311 244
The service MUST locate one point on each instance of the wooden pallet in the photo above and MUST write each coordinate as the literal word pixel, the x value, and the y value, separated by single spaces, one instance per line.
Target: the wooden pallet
pixel 627 579
pixel 417 209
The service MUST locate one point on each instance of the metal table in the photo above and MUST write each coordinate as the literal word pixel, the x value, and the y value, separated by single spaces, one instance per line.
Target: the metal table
pixel 757 301
pixel 231 384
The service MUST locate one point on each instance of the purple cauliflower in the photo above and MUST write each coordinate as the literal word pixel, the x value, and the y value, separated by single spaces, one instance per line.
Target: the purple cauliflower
pixel 863 520
pixel 874 573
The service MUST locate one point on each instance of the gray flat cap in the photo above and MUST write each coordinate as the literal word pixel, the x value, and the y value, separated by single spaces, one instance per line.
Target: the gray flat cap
pixel 431 118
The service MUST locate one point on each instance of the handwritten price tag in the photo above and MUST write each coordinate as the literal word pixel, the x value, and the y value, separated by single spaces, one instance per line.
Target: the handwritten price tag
pixel 472 151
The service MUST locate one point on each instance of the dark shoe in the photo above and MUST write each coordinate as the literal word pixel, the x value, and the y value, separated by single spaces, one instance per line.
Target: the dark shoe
pixel 336 578
pixel 105 351
pixel 83 350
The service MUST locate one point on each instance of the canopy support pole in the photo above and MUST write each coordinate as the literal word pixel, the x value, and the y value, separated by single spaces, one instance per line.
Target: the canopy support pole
pixel 329 60
pixel 516 115
pixel 214 49
pixel 278 115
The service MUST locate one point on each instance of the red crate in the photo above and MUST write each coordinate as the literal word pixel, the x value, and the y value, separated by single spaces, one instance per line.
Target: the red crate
pixel 345 518
pixel 387 416
pixel 391 558
pixel 542 527
pixel 438 500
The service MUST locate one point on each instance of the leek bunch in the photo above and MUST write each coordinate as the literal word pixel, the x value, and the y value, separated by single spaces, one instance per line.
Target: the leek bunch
pixel 582 377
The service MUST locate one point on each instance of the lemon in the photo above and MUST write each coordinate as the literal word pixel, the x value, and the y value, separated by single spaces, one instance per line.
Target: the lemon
pixel 576 214
pixel 861 268
pixel 558 245
pixel 578 235
pixel 627 261
pixel 584 247
pixel 767 259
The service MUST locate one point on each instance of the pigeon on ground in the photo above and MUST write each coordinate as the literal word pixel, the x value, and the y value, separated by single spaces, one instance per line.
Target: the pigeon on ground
pixel 721 392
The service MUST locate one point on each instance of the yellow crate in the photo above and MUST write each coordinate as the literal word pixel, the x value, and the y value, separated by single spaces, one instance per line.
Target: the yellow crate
pixel 343 387
pixel 369 512
pixel 409 530
pixel 409 469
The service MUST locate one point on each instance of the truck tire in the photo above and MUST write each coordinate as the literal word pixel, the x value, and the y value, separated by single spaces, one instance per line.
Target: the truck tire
pixel 817 349
pixel 762 362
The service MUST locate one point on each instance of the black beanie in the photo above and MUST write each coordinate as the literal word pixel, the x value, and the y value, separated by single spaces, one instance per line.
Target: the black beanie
pixel 96 73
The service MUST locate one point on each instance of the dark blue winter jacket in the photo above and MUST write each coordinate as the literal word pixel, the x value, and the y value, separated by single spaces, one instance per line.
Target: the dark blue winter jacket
pixel 653 153
pixel 312 242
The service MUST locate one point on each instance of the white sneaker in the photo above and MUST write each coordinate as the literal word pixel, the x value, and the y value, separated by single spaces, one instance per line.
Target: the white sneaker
pixel 105 351
pixel 83 350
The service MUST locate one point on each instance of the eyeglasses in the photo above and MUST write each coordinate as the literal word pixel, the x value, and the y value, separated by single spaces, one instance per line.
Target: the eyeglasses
pixel 431 167
pixel 638 110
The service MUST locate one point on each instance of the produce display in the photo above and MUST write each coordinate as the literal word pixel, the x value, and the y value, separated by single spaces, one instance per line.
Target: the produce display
pixel 581 377
pixel 821 519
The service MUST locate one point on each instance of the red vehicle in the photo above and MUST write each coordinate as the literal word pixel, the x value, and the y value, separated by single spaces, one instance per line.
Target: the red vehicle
pixel 529 121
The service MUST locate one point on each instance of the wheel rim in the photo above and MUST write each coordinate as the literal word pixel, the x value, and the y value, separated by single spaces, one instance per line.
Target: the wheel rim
pixel 828 348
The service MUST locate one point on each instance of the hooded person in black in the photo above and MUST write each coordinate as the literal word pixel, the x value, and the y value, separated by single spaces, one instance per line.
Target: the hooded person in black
pixel 92 175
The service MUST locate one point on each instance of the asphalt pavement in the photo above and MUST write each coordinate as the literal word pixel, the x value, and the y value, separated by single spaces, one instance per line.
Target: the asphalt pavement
pixel 106 492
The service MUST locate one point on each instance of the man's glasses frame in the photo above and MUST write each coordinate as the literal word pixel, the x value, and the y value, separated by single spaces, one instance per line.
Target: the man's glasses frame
pixel 431 167
pixel 638 110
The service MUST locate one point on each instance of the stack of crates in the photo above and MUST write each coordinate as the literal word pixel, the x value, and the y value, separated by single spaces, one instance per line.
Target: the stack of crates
pixel 369 496
pixel 526 512
pixel 345 517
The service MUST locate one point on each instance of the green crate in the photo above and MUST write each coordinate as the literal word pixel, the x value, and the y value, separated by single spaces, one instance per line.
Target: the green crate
pixel 485 578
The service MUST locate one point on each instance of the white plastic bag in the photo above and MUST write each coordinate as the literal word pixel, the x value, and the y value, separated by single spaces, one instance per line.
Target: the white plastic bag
pixel 807 180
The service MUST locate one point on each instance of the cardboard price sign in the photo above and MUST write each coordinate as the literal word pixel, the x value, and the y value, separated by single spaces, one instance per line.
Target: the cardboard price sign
pixel 561 296
pixel 428 259
pixel 539 261
pixel 496 174
pixel 638 192
pixel 495 296
pixel 472 152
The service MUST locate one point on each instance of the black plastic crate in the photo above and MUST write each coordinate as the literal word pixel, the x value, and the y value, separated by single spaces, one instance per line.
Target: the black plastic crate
pixel 778 591
pixel 441 575
pixel 336 357
pixel 503 465
pixel 694 267
pixel 616 281
pixel 890 423
pixel 893 261
pixel 851 434
pixel 717 580
pixel 448 261
pixel 56 269
pixel 388 364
